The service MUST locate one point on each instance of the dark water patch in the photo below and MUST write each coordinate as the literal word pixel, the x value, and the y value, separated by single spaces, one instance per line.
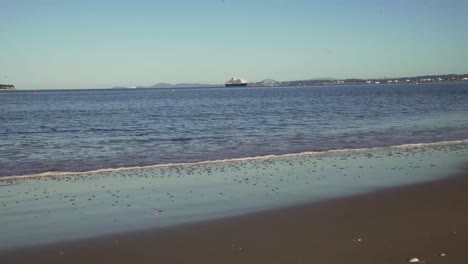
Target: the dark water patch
pixel 181 139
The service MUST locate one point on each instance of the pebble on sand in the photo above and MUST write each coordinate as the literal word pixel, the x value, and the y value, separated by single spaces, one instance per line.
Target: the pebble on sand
pixel 413 260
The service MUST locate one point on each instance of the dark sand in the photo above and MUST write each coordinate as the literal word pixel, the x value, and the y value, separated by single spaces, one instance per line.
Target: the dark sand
pixel 390 226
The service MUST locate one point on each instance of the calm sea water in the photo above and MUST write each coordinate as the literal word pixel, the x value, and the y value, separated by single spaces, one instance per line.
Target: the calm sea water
pixel 82 130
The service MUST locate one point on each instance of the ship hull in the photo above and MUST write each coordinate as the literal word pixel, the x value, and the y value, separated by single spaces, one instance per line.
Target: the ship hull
pixel 235 84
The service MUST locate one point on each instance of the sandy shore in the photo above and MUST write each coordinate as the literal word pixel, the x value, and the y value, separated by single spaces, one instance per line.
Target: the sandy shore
pixel 425 221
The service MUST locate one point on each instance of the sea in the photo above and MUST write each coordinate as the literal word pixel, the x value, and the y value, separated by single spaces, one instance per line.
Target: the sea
pixel 85 130
pixel 83 163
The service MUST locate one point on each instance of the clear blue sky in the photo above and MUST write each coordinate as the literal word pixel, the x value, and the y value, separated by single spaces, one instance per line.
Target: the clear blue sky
pixel 92 43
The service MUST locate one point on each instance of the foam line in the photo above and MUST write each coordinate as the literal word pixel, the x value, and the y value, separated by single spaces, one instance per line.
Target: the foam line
pixel 54 174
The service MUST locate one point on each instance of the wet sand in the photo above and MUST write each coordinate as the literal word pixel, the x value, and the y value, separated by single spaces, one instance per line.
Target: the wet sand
pixel 425 221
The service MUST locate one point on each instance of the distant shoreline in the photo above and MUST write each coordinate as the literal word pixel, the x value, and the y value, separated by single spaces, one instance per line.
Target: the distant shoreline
pixel 7 87
pixel 354 81
pixel 426 79
pixel 320 82
pixel 254 85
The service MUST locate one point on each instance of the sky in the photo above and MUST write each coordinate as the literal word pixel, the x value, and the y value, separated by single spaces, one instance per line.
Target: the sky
pixel 67 44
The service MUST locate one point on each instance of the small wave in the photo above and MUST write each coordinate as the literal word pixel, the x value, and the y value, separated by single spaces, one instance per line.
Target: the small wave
pixel 181 139
pixel 7 196
pixel 53 174
pixel 8 184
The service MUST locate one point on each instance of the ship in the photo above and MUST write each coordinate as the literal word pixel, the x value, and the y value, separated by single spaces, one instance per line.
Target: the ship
pixel 236 82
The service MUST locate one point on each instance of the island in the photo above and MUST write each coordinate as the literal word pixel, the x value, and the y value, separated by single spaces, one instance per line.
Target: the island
pixel 4 87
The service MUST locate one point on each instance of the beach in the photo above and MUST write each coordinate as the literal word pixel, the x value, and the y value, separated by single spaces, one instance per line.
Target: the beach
pixel 282 175
pixel 226 132
pixel 427 221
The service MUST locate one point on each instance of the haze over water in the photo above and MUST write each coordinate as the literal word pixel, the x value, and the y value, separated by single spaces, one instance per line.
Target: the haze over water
pixel 82 130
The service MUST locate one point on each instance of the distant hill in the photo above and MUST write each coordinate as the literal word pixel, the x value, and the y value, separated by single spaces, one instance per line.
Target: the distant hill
pixel 269 81
pixel 182 85
pixel 161 85
pixel 323 79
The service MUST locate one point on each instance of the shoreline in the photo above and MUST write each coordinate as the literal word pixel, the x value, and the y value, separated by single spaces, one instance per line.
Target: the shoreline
pixel 428 221
pixel 55 174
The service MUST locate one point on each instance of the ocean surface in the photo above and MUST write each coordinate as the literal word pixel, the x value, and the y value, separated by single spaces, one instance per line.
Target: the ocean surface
pixel 85 163
pixel 85 130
